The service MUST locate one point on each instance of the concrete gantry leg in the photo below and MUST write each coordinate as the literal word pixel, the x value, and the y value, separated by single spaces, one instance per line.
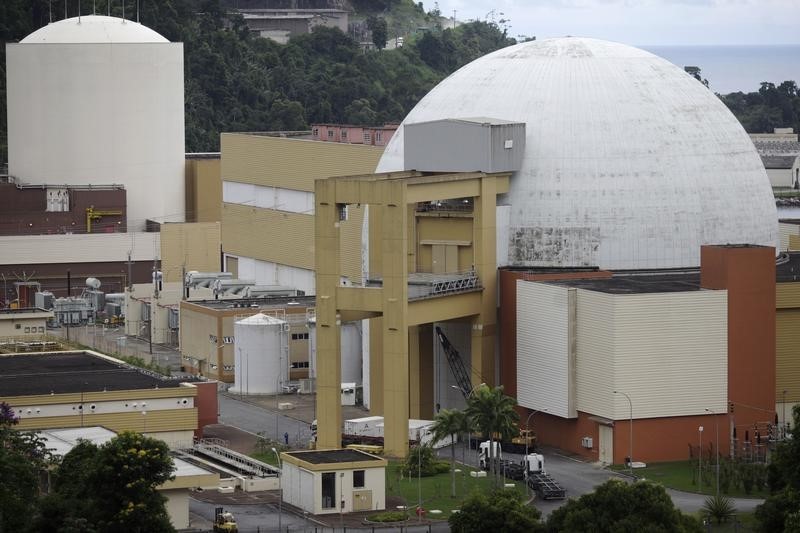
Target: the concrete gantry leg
pixel 394 248
pixel 329 356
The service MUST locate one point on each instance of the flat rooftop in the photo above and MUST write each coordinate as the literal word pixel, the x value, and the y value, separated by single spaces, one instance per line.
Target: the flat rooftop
pixel 70 372
pixel 637 283
pixel 319 457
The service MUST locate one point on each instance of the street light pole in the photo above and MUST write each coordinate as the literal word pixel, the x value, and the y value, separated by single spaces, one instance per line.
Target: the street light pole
pixel 785 424
pixel 419 482
pixel 280 486
pixel 700 461
pixel 716 446
pixel 630 449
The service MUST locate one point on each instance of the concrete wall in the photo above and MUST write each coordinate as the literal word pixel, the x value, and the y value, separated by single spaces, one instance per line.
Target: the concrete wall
pixel 748 274
pixel 177 505
pixel 203 188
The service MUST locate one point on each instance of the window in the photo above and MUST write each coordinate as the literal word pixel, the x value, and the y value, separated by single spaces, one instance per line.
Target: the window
pixel 344 135
pixel 330 135
pixel 17 326
pixel 328 490
pixel 315 132
pixel 378 137
pixel 367 138
pixel 299 336
pixel 358 479
pixel 41 329
pixel 28 329
pixel 300 364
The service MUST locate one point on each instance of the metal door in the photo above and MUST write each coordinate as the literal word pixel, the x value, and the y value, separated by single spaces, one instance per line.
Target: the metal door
pixel 606 444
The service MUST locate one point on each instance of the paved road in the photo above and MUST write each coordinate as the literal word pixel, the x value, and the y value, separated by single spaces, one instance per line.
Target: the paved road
pixel 254 419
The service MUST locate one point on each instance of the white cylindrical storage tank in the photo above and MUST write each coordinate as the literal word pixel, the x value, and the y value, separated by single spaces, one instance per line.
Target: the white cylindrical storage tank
pixel 260 355
pixel 98 100
pixel 351 351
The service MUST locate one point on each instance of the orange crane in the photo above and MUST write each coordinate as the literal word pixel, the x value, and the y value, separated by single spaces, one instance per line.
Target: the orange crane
pixel 93 214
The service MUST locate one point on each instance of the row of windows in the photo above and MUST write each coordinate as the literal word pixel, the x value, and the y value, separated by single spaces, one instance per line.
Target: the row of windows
pixel 367 135
pixel 300 364
pixel 30 329
pixel 299 336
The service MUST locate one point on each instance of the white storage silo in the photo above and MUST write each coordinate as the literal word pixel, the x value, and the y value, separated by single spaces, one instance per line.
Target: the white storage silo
pixel 351 351
pixel 261 355
pixel 97 100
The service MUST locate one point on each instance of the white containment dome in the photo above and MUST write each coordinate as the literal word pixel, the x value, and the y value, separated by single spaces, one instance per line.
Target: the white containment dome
pixel 630 163
pixel 261 355
pixel 98 100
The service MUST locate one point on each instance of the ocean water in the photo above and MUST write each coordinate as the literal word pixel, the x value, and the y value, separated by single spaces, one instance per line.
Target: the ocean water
pixel 736 68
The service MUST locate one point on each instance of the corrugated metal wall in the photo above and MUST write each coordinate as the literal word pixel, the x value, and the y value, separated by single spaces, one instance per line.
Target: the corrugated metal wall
pixel 595 353
pixel 292 163
pixel 92 248
pixel 670 353
pixel 268 235
pixel 189 247
pixel 787 326
pixel 544 365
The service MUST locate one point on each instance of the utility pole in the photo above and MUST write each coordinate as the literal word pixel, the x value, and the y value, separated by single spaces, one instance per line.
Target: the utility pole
pixel 130 272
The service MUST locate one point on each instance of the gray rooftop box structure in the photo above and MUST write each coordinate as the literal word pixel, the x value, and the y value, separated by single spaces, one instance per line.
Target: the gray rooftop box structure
pixel 464 145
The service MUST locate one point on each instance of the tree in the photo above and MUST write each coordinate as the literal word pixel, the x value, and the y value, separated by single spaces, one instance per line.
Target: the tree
pixel 492 412
pixel 783 477
pixel 618 506
pixel 380 31
pixel 449 423
pixel 22 457
pixel 110 488
pixel 695 72
pixel 500 510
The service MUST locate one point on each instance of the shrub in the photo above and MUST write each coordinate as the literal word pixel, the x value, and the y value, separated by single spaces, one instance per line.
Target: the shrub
pixel 720 508
pixel 388 516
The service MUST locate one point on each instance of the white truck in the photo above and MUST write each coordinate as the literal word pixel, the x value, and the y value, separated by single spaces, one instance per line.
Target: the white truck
pixel 539 480
pixel 484 456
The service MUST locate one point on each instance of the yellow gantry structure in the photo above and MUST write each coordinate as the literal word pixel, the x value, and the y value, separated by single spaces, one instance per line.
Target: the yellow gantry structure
pixel 400 364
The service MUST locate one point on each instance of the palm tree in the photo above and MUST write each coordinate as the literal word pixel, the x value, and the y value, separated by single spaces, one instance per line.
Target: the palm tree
pixel 492 412
pixel 449 423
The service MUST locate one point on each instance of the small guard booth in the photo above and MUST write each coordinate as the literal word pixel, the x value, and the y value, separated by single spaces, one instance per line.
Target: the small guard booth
pixel 333 481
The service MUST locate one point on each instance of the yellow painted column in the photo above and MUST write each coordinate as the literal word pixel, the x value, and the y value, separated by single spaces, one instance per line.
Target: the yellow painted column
pixel 376 324
pixel 329 356
pixel 394 247
pixel 485 250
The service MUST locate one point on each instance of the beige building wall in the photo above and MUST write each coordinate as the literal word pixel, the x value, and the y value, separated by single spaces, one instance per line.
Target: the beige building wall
pixel 189 246
pixel 144 294
pixel 787 363
pixel 203 188
pixel 282 237
pixel 787 231
pixel 15 324
pixel 668 351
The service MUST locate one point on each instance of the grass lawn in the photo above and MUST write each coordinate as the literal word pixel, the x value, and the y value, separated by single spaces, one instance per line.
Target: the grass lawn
pixel 266 457
pixel 680 475
pixel 436 489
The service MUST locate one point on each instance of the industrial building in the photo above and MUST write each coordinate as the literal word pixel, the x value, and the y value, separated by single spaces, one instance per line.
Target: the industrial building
pixel 77 389
pixel 268 182
pixel 25 321
pixel 631 175
pixel 96 162
pixel 210 347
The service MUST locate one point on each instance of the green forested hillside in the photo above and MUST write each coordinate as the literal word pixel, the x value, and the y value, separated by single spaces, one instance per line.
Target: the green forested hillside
pixel 236 82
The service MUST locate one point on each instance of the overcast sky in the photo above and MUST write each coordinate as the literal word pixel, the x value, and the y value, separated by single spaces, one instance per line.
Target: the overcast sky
pixel 641 22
